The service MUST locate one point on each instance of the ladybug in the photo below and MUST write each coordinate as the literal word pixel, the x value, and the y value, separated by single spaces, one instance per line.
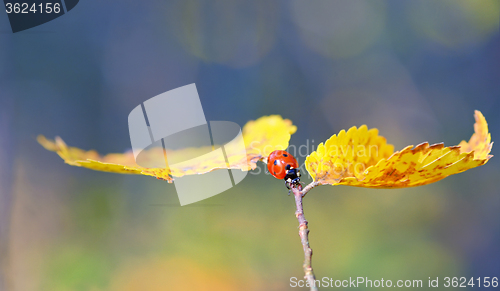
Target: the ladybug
pixel 282 165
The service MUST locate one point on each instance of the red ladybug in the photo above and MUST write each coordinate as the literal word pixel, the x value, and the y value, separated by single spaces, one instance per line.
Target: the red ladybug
pixel 283 165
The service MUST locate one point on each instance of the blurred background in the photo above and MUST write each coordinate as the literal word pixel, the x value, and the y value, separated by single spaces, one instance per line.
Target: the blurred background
pixel 416 70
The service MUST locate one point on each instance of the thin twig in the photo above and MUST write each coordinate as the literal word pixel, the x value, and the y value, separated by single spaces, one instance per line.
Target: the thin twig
pixel 309 187
pixel 299 193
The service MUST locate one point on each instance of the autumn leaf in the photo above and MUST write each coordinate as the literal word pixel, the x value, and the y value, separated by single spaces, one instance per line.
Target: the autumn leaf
pixel 267 134
pixel 360 157
pixel 261 137
pixel 114 163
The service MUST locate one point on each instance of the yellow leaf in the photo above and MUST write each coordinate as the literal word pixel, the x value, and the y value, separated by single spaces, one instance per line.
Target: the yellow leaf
pixel 114 163
pixel 480 141
pixel 362 158
pixel 261 137
pixel 267 134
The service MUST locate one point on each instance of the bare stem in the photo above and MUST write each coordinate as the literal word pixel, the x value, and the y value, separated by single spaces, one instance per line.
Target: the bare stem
pixel 309 187
pixel 299 193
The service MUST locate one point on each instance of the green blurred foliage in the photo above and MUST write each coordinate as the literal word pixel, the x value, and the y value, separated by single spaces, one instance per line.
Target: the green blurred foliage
pixel 248 234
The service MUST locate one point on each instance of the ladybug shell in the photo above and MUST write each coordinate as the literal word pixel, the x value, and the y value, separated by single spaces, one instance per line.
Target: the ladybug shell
pixel 277 162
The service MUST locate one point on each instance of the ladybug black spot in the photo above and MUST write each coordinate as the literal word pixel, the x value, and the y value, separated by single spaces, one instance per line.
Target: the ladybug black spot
pixel 275 173
pixel 275 162
pixel 287 167
pixel 285 155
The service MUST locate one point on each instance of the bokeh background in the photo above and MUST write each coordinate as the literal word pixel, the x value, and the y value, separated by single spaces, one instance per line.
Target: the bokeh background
pixel 414 69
